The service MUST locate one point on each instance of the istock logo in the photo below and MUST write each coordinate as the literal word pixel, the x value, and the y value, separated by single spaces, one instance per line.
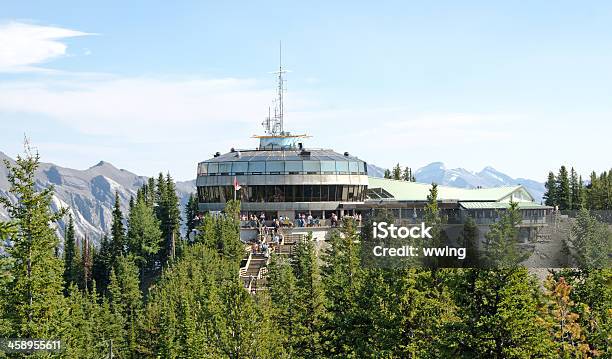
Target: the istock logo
pixel 383 230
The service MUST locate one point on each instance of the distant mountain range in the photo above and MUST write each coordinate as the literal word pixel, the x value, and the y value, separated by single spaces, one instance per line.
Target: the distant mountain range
pixel 460 177
pixel 89 194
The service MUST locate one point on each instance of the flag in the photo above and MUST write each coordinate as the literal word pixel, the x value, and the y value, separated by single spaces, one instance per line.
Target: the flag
pixel 236 184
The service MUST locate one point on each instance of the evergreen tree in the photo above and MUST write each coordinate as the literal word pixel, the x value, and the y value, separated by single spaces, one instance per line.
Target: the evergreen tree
pixel 342 278
pixel 564 195
pixel 550 196
pixel 191 211
pixel 502 241
pixel 387 174
pixel 591 241
pixel 70 270
pixel 469 240
pixel 168 213
pixel 283 296
pixel 397 172
pixel 144 238
pixel 32 301
pixel 575 190
pixel 118 242
pixel 309 304
pixel 125 301
pixel 407 175
pixel 500 315
pixel 102 264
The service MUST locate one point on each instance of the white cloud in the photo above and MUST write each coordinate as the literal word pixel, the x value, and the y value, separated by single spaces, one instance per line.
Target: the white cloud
pixel 139 109
pixel 24 46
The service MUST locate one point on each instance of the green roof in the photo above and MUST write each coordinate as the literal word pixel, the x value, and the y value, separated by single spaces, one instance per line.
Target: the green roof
pixel 501 205
pixel 414 191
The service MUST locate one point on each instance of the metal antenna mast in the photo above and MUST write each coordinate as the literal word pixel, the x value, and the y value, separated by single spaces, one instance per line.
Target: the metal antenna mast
pixel 280 87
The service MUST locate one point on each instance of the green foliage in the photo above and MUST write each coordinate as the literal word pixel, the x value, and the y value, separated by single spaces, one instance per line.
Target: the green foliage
pixel 563 316
pixel 500 315
pixel 118 244
pixel 222 232
pixel 564 194
pixel 70 268
pixel 31 302
pixel 144 238
pixel 469 240
pixel 191 211
pixel 592 241
pixel 387 174
pixel 342 279
pixel 550 196
pixel 502 241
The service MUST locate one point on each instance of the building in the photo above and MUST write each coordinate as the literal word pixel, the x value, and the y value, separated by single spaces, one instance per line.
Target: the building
pixel 283 177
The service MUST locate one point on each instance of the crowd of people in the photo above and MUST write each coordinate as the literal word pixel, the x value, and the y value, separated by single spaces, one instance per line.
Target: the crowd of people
pixel 302 220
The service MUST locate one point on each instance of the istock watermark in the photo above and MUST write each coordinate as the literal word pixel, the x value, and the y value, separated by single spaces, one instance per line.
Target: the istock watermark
pixel 389 248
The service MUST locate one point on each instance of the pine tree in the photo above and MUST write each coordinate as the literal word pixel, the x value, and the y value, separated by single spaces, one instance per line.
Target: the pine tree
pixel 564 195
pixel 469 239
pixel 550 196
pixel 144 239
pixel 575 190
pixel 118 242
pixel 191 211
pixel 70 270
pixel 502 240
pixel 500 315
pixel 309 304
pixel 591 241
pixel 168 213
pixel 32 301
pixel 397 172
pixel 387 174
pixel 342 278
pixel 102 264
pixel 283 296
pixel 126 301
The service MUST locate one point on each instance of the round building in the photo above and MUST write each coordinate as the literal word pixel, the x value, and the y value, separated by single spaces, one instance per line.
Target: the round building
pixel 282 178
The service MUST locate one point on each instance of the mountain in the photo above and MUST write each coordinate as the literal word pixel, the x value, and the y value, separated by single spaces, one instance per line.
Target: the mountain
pixel 88 194
pixel 488 177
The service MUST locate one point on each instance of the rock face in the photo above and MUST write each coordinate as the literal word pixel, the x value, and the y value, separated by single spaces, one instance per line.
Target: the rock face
pixel 89 194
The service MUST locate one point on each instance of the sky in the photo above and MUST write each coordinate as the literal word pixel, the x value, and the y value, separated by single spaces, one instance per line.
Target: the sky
pixel 154 86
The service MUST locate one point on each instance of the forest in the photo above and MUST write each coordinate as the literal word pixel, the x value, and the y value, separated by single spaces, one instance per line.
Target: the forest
pixel 146 292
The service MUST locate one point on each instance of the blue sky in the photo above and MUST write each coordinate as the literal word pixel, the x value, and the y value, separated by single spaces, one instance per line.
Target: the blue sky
pixel 158 86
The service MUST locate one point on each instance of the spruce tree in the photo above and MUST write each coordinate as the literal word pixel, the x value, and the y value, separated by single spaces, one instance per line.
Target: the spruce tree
pixel 191 211
pixel 33 301
pixel 550 196
pixel 125 301
pixel 342 278
pixel 70 270
pixel 502 241
pixel 118 241
pixel 500 315
pixel 144 238
pixel 397 172
pixel 102 264
pixel 564 195
pixel 309 304
pixel 575 190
